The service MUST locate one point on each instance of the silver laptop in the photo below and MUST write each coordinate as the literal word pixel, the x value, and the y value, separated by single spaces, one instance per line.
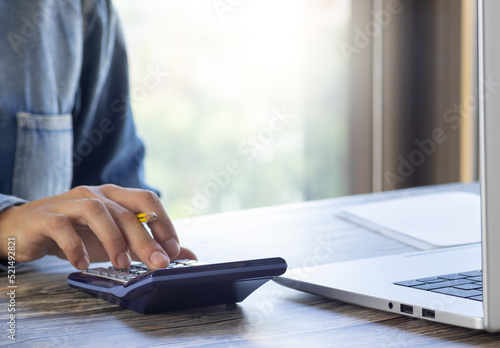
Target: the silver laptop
pixel 411 284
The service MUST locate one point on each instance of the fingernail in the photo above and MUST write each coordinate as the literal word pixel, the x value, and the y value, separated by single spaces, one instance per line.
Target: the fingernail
pixel 158 259
pixel 172 247
pixel 123 259
pixel 83 263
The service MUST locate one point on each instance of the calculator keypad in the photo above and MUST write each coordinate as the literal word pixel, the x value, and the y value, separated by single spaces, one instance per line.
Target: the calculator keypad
pixel 135 270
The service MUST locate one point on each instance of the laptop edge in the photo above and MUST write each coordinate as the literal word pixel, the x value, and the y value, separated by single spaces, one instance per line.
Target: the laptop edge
pixel 489 127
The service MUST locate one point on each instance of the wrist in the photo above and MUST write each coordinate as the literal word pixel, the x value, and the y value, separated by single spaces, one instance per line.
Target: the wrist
pixel 6 230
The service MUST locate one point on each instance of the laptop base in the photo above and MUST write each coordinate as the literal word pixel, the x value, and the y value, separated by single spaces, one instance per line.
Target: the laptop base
pixel 371 283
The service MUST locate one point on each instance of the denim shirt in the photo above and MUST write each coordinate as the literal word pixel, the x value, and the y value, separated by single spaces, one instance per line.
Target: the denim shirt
pixel 65 118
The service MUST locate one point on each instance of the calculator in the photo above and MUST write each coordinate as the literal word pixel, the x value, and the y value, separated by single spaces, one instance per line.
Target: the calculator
pixel 183 284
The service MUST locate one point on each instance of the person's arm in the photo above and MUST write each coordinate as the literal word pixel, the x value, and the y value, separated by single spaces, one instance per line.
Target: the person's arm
pixel 106 146
pixel 98 222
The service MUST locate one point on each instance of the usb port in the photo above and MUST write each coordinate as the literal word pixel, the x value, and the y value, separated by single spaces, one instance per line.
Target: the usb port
pixel 406 308
pixel 428 313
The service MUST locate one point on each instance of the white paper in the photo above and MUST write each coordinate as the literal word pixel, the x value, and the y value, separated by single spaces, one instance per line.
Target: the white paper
pixel 426 222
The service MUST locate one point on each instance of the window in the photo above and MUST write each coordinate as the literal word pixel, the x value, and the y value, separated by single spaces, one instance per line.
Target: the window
pixel 241 104
pixel 254 103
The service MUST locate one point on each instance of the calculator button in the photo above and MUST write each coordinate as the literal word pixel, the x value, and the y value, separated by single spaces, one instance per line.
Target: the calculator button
pixel 175 265
pixel 122 275
pixel 182 262
pixel 118 269
pixel 135 270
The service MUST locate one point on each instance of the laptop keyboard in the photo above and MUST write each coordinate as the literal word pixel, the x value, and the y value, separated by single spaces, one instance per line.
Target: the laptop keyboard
pixel 466 284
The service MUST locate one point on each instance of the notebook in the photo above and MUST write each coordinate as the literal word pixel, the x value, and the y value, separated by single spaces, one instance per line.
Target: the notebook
pixel 428 221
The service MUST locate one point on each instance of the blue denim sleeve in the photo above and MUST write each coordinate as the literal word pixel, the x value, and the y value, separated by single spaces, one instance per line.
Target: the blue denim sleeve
pixel 7 201
pixel 106 148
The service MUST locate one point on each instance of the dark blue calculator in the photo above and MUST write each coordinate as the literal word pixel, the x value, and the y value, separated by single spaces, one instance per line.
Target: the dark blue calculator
pixel 183 284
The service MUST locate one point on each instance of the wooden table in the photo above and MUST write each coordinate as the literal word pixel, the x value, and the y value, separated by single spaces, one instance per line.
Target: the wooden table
pixel 50 314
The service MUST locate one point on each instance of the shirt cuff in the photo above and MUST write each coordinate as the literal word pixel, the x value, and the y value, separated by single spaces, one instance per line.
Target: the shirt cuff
pixel 9 201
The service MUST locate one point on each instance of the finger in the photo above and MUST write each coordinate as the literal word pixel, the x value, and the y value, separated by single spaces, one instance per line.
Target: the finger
pixel 137 201
pixel 59 228
pixel 186 254
pixel 137 238
pixel 95 248
pixel 93 213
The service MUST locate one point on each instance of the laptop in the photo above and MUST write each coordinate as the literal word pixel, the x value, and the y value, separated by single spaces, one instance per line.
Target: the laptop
pixel 414 284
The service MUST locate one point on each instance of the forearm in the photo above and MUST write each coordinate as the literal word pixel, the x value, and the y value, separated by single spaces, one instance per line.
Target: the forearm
pixel 107 148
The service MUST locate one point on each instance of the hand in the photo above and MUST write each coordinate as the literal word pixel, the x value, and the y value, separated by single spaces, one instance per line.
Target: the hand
pixel 92 223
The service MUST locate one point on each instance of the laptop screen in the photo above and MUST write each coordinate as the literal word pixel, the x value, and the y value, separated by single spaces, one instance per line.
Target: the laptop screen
pixel 489 137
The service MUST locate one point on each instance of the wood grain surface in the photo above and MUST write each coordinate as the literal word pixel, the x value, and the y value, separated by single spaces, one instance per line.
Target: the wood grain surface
pixel 51 314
